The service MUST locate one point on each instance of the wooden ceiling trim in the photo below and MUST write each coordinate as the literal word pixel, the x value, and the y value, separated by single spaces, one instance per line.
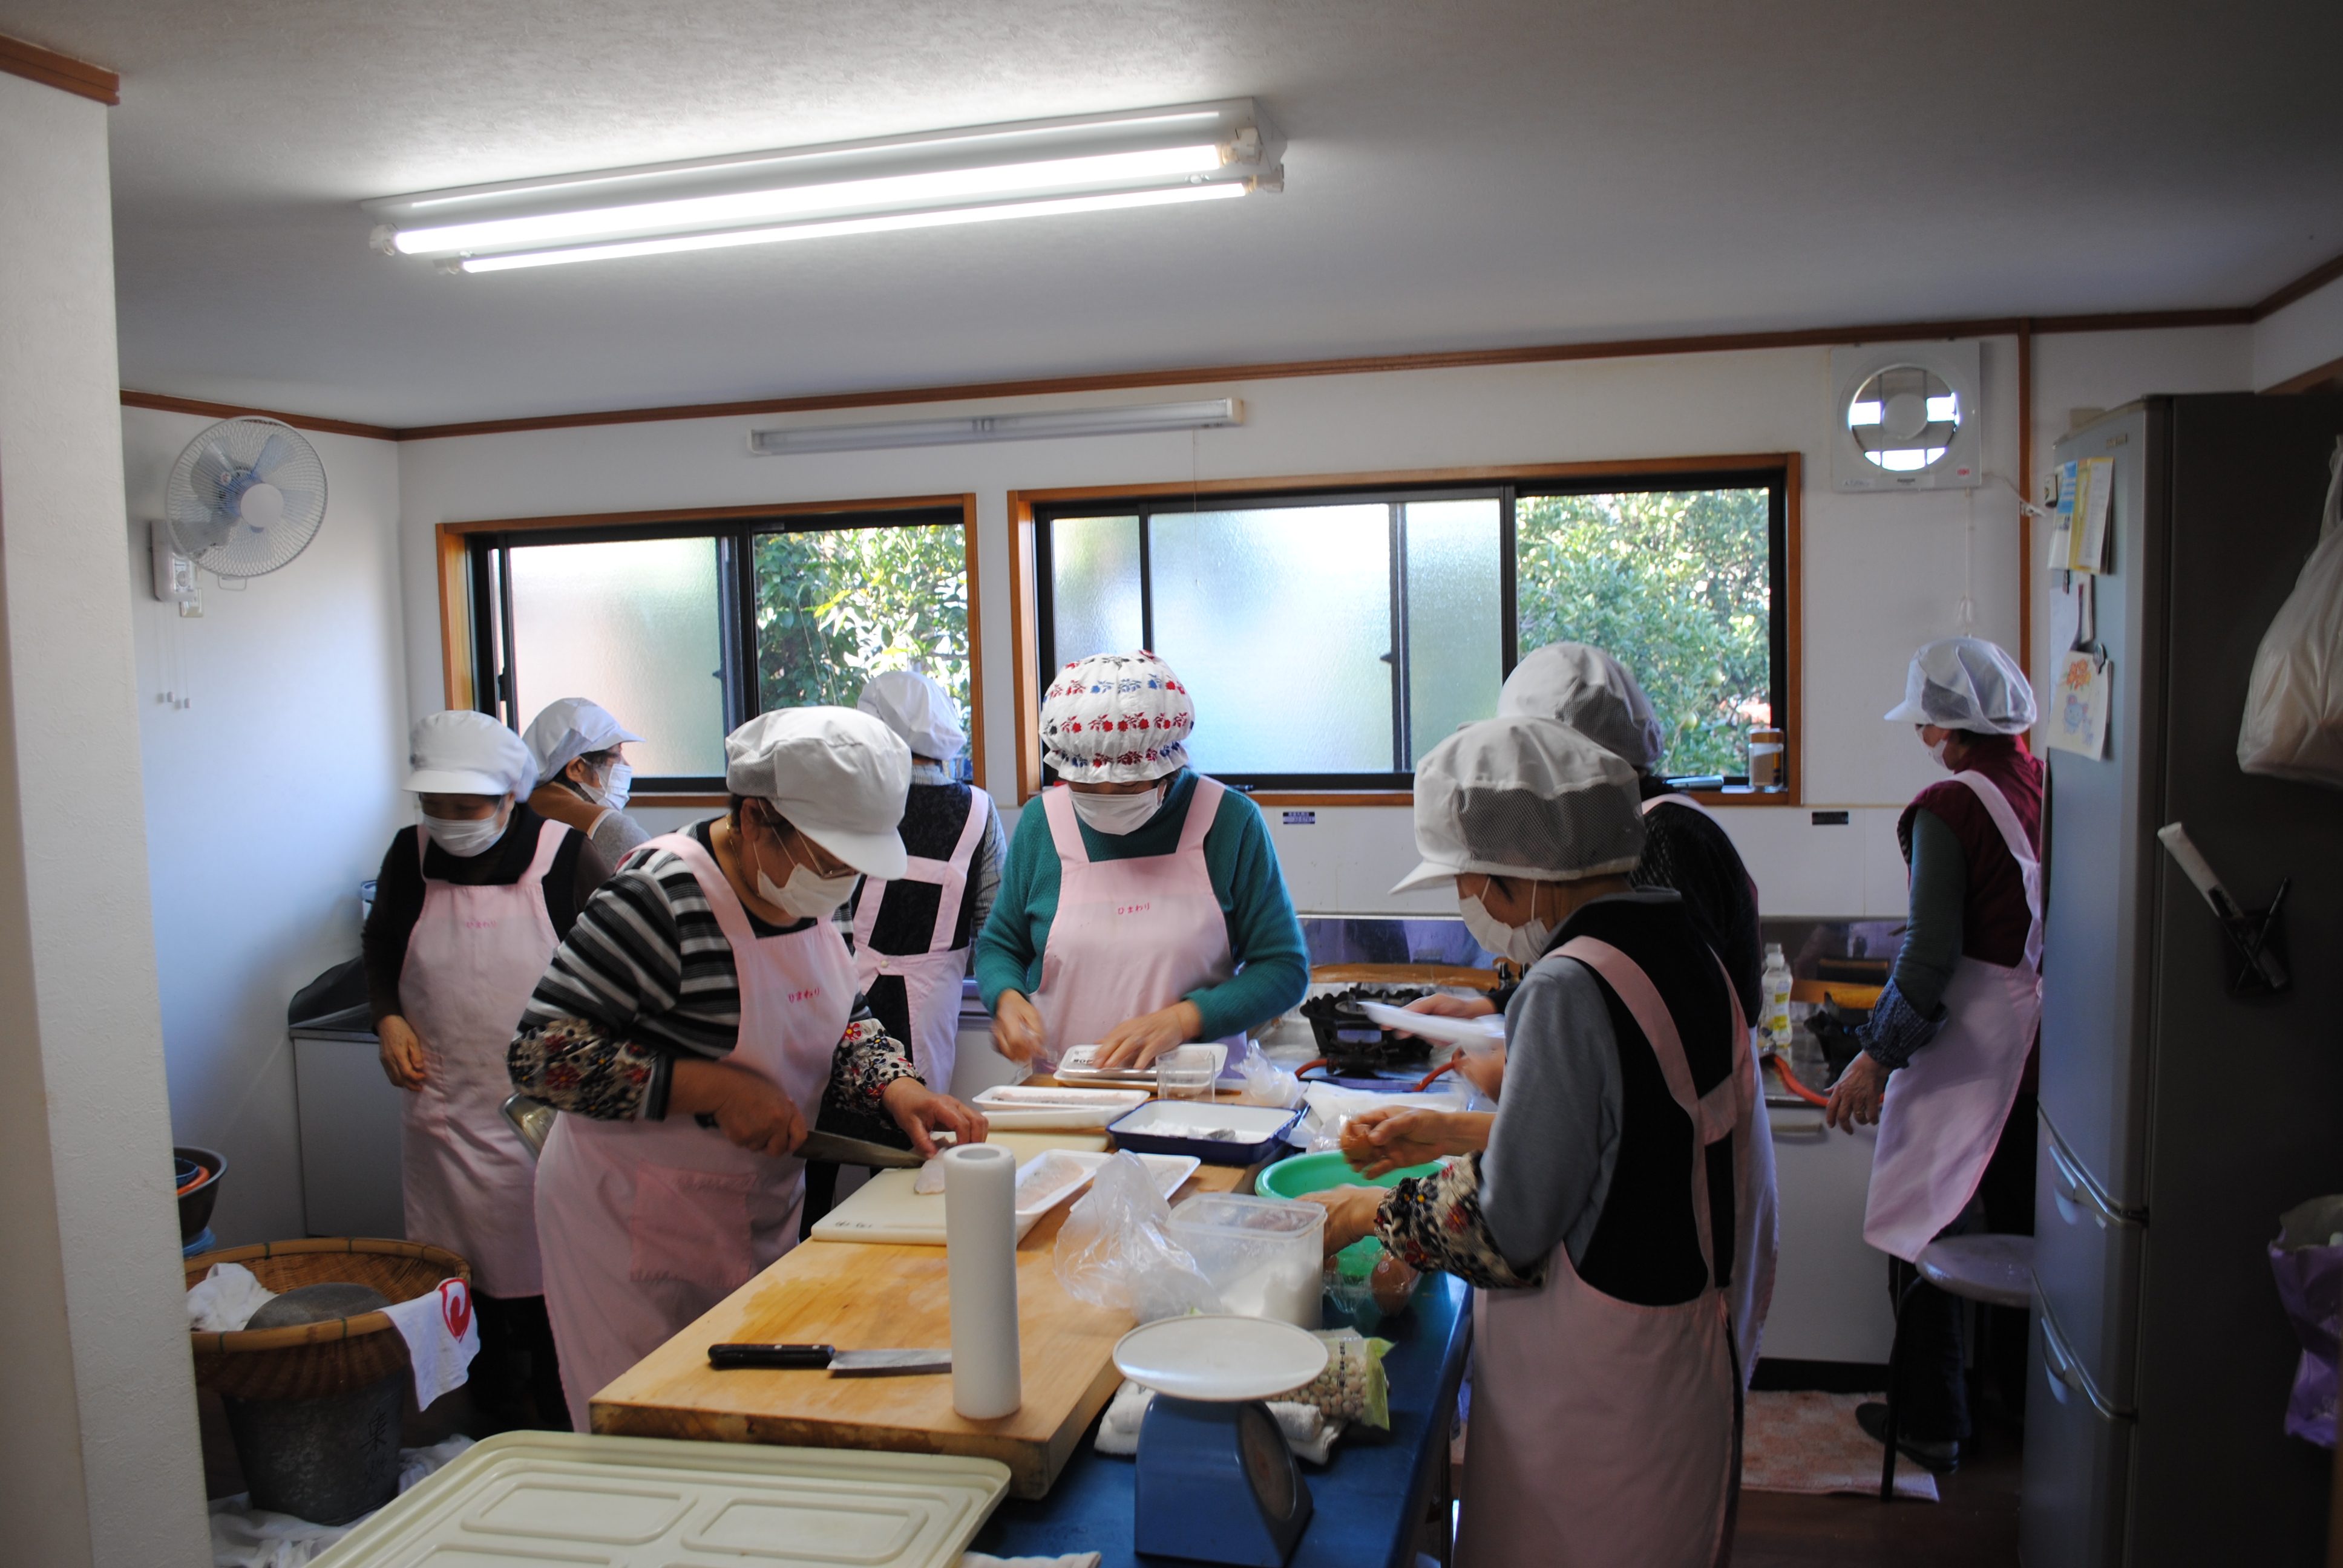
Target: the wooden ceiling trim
pixel 62 72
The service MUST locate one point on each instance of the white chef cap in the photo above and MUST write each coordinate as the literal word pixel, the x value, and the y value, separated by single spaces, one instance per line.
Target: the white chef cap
pixel 1116 717
pixel 1521 796
pixel 916 708
pixel 1967 683
pixel 460 752
pixel 568 729
pixel 837 775
pixel 1592 692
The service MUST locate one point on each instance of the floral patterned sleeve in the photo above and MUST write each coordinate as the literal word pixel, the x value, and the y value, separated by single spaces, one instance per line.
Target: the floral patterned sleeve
pixel 1435 1222
pixel 581 1066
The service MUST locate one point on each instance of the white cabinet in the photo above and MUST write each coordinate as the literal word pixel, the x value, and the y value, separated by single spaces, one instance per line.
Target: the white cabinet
pixel 1830 1287
pixel 349 1136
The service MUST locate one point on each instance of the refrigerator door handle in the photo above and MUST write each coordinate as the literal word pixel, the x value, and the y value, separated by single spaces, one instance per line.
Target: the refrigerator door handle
pixel 2065 1372
pixel 2076 1193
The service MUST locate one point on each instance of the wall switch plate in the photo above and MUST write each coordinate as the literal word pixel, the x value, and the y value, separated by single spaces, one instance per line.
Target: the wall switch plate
pixel 175 573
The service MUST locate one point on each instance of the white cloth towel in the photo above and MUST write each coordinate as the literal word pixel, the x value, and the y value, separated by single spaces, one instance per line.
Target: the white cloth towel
pixel 226 1299
pixel 442 1337
pixel 1307 1430
pixel 247 1537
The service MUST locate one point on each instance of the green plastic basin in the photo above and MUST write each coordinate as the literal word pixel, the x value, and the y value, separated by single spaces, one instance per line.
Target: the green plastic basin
pixel 1290 1179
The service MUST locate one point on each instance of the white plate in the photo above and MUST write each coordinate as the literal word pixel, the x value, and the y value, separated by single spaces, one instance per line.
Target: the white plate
pixel 1472 1033
pixel 1218 1357
pixel 1010 1108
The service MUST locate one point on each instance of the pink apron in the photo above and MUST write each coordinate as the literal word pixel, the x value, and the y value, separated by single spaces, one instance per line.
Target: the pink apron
pixel 1131 936
pixel 931 979
pixel 1944 1110
pixel 472 960
pixel 1757 1217
pixel 1603 1432
pixel 649 1225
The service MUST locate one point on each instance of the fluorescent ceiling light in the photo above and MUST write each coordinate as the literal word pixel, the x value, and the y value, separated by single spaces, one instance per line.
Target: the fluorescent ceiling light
pixel 1092 163
pixel 1127 419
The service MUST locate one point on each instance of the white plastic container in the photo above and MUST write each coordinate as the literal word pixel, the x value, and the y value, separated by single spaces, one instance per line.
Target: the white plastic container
pixel 1264 1255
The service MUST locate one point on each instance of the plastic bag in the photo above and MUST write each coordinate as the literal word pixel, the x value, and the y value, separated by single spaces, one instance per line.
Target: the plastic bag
pixel 1115 1249
pixel 2293 727
pixel 2308 1259
pixel 1267 1083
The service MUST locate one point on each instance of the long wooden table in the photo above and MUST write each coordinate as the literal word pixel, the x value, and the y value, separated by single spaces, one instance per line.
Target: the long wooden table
pixel 858 1296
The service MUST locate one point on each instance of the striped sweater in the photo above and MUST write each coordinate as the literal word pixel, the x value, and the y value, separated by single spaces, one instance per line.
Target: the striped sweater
pixel 645 976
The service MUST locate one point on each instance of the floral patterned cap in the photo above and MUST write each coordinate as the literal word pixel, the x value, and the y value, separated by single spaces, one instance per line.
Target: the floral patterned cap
pixel 1116 718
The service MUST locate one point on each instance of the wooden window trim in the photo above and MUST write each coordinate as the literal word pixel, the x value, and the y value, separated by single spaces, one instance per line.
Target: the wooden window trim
pixel 453 548
pixel 1025 630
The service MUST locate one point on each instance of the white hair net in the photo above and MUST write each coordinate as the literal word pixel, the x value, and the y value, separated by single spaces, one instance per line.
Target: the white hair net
pixel 916 708
pixel 460 752
pixel 1967 683
pixel 1116 717
pixel 568 729
pixel 1522 796
pixel 839 777
pixel 1586 688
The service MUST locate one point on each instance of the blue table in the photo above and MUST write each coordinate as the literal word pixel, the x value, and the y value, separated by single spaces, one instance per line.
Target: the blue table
pixel 1371 1499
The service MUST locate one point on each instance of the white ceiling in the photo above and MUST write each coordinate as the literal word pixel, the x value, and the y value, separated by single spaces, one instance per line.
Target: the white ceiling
pixel 1464 173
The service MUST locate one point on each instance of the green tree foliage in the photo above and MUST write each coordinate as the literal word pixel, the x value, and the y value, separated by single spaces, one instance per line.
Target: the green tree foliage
pixel 837 606
pixel 1674 584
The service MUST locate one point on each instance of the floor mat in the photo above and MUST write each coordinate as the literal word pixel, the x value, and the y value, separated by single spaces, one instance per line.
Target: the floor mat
pixel 1808 1442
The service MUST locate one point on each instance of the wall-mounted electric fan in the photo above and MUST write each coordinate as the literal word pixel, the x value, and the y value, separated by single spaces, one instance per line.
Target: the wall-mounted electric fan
pixel 245 497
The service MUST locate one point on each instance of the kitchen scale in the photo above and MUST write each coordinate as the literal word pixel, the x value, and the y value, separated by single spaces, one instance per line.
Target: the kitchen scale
pixel 1216 1482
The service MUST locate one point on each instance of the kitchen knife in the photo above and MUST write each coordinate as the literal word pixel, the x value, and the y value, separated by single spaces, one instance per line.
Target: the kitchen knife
pixel 841 1363
pixel 855 1152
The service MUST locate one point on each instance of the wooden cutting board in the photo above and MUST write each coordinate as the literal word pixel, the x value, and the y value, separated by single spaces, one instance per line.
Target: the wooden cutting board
pixel 872 1297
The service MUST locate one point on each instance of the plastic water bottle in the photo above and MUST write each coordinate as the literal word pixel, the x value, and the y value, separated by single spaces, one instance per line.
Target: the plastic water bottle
pixel 1777 997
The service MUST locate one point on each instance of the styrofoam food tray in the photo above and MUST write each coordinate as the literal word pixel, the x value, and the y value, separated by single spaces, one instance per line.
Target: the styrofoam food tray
pixel 530 1499
pixel 1213 1356
pixel 1255 1129
pixel 886 1210
pixel 1077 1068
pixel 1474 1034
pixel 1011 1108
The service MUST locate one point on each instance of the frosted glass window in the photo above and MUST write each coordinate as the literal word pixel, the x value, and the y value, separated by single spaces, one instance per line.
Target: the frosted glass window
pixel 1455 649
pixel 1094 587
pixel 1279 623
pixel 634 626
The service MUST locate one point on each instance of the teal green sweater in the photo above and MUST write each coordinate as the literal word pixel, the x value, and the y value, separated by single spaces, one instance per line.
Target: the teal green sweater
pixel 1263 936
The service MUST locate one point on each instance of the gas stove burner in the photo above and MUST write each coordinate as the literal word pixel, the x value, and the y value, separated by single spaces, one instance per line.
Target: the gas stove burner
pixel 1353 1044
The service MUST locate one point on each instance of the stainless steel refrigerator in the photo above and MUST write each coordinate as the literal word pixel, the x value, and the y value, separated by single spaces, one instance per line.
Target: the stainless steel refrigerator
pixel 2179 1119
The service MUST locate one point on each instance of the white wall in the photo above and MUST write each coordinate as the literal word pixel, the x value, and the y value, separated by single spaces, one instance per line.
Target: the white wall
pixel 2303 336
pixel 99 1463
pixel 1881 571
pixel 270 795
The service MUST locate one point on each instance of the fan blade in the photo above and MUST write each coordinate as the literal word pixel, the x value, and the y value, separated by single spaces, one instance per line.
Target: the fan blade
pixel 274 452
pixel 300 505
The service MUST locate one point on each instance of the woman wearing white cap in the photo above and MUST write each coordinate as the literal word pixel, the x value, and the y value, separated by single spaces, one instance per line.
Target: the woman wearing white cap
pixel 1947 1065
pixel 468 908
pixel 698 1019
pixel 1141 906
pixel 583 777
pixel 1596 1210
pixel 913 934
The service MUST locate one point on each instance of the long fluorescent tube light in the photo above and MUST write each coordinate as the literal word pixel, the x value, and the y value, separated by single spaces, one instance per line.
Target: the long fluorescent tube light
pixel 1127 419
pixel 1092 162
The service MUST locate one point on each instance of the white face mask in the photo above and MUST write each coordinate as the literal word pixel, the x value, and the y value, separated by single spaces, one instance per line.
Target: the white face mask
pixel 1522 944
pixel 464 838
pixel 614 789
pixel 1937 750
pixel 1118 814
pixel 805 895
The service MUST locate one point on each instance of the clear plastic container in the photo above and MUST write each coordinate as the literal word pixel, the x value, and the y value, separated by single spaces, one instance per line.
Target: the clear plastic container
pixel 1264 1255
pixel 1186 1072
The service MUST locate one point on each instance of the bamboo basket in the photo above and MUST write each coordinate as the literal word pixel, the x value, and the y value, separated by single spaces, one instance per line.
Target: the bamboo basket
pixel 316 1361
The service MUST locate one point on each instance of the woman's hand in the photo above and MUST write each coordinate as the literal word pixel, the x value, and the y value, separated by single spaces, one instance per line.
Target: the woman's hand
pixel 1440 1006
pixel 1137 1042
pixel 1855 1098
pixel 1389 1138
pixel 402 1053
pixel 1016 1027
pixel 916 1110
pixel 749 1108
pixel 1351 1213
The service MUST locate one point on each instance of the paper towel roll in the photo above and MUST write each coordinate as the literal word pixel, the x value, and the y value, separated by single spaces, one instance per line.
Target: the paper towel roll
pixel 981 1255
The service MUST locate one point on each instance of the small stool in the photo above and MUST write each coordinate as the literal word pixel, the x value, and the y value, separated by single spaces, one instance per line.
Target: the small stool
pixel 1992 1269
